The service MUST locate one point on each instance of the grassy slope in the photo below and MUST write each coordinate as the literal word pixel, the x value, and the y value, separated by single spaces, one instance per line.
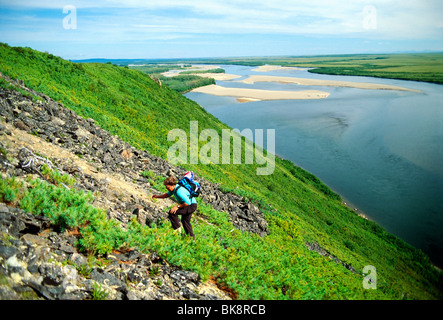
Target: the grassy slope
pixel 128 103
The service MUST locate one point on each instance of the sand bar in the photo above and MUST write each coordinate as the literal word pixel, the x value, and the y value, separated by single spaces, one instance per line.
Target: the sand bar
pixel 247 95
pixel 268 67
pixel 217 76
pixel 330 83
pixel 173 73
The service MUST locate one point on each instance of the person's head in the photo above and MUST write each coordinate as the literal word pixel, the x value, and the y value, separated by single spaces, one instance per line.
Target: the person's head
pixel 170 183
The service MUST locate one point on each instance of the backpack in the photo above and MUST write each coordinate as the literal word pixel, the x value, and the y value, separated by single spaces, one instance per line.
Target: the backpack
pixel 189 184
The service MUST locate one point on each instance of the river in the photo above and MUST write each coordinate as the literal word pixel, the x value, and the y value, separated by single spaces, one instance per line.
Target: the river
pixel 381 150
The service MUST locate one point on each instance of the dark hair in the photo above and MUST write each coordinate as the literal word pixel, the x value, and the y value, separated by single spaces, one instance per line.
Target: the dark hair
pixel 170 181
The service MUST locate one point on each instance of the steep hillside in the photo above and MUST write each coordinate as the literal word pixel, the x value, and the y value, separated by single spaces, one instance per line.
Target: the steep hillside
pixel 282 236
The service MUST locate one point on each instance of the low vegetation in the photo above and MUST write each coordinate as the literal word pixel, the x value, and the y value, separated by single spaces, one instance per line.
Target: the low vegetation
pixel 183 82
pixel 297 205
pixel 218 70
pixel 426 67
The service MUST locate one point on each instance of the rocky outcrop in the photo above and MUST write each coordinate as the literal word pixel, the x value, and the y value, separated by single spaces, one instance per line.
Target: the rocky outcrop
pixel 314 246
pixel 38 262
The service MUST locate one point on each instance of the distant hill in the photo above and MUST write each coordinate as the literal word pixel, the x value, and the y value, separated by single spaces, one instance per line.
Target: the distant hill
pixel 125 62
pixel 122 62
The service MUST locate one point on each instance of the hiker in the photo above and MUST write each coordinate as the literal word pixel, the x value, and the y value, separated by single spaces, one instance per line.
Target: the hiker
pixel 187 205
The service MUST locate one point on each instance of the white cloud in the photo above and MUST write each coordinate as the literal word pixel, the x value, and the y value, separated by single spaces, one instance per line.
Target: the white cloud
pixel 123 20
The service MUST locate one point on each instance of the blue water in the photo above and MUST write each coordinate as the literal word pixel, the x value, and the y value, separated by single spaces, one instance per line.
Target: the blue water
pixel 381 150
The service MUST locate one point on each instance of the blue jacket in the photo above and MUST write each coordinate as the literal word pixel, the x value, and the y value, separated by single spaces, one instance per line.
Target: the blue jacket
pixel 182 195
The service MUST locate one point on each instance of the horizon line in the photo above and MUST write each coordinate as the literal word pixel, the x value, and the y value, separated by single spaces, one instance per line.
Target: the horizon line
pixel 258 56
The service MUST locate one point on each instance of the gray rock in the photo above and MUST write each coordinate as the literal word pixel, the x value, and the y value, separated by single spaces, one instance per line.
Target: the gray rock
pixel 78 259
pixel 100 276
pixel 52 274
pixel 7 252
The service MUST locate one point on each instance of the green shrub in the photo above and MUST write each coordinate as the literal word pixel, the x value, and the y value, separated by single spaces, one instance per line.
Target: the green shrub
pixel 99 293
pixel 296 204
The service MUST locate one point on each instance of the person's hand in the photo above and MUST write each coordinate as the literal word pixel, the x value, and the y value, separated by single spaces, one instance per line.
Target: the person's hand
pixel 174 209
pixel 154 196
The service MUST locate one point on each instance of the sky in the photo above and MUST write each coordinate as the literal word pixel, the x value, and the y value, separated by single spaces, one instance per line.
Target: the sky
pixel 163 29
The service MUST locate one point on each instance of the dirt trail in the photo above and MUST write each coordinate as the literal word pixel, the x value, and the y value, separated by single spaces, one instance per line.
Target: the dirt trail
pixel 117 183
